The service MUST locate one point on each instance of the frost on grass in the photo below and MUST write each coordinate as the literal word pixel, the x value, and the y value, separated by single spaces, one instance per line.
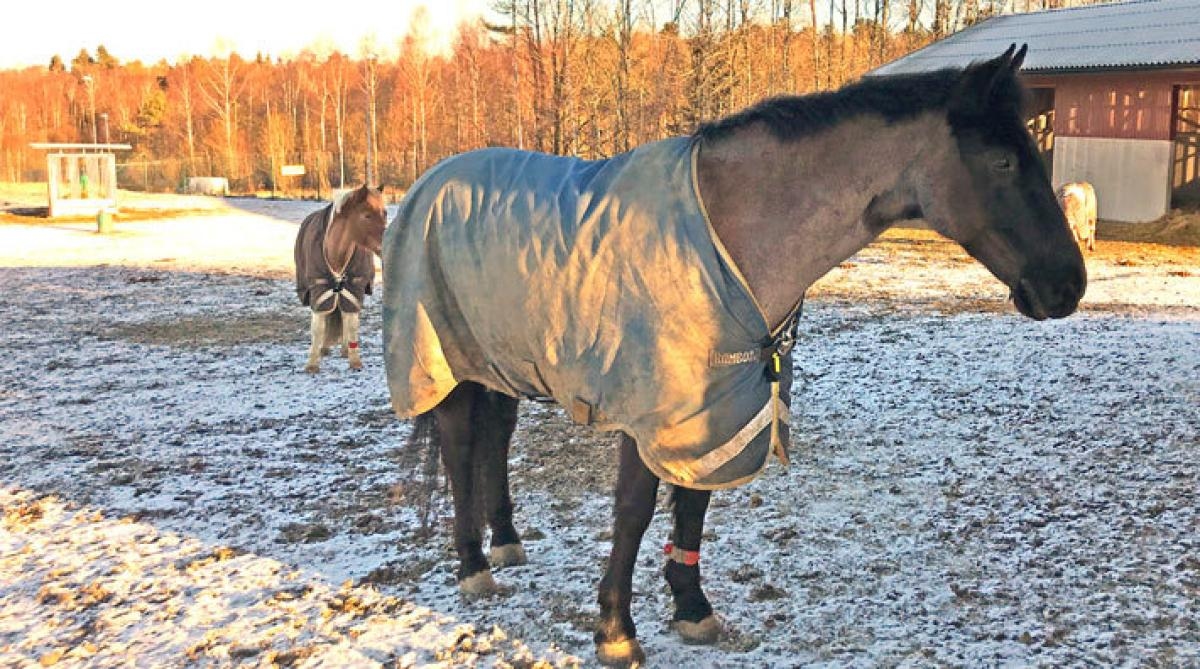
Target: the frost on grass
pixel 85 588
pixel 968 488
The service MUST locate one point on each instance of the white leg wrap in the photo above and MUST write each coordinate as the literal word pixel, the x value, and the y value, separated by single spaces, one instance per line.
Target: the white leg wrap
pixel 350 339
pixel 318 337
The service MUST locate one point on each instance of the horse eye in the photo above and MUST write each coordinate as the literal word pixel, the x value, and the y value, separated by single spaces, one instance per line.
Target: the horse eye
pixel 1002 165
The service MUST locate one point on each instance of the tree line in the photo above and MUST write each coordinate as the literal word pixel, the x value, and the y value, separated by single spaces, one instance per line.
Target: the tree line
pixel 584 77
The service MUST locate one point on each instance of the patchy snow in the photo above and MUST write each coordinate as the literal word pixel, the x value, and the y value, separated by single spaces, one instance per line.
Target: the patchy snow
pixel 967 488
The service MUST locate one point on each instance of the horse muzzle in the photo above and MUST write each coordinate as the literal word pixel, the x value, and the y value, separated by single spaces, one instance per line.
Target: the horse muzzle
pixel 1050 293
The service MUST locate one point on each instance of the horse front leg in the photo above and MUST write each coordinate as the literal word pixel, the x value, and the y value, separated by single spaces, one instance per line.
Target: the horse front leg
pixel 693 619
pixel 456 430
pixel 350 339
pixel 496 420
pixel 318 340
pixel 616 635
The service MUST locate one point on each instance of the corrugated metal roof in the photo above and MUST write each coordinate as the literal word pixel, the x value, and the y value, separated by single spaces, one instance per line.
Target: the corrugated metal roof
pixel 1143 33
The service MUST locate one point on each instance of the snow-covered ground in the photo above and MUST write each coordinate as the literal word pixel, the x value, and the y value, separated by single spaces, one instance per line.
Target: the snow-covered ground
pixel 968 488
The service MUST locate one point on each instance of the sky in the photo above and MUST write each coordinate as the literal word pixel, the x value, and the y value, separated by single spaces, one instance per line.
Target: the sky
pixel 150 30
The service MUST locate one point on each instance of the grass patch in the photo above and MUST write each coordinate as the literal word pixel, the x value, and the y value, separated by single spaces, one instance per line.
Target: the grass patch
pixel 217 330
pixel 1178 228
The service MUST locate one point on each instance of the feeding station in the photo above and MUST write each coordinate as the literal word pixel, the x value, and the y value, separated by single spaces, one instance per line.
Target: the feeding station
pixel 81 178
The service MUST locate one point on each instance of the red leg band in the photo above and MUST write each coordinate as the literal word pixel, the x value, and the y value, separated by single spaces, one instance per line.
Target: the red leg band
pixel 685 558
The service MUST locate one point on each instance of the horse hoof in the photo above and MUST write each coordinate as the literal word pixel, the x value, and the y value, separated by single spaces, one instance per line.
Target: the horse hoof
pixel 312 369
pixel 704 632
pixel 326 351
pixel 356 366
pixel 623 653
pixel 508 555
pixel 479 583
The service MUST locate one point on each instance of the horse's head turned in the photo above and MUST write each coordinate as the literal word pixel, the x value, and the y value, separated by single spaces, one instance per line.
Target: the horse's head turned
pixel 363 212
pixel 992 194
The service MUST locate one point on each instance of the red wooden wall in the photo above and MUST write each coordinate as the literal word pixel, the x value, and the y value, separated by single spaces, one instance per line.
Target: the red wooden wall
pixel 1117 105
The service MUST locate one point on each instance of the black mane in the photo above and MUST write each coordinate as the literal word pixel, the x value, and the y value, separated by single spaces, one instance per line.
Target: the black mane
pixel 895 98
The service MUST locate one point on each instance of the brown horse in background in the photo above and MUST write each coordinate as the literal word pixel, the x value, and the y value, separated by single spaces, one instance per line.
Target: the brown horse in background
pixel 335 267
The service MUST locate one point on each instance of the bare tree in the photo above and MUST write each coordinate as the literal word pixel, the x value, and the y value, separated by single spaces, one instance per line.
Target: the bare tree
pixel 417 68
pixel 189 126
pixel 370 87
pixel 705 70
pixel 941 18
pixel 785 60
pixel 555 20
pixel 221 89
pixel 335 85
pixel 816 46
pixel 468 51
pixel 515 28
pixel 623 37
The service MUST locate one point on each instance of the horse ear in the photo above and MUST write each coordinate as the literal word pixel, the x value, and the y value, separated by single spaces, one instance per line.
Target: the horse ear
pixel 380 189
pixel 979 80
pixel 1002 65
pixel 1017 60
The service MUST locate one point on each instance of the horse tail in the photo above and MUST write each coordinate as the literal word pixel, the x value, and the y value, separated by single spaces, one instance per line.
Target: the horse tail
pixel 424 443
pixel 333 328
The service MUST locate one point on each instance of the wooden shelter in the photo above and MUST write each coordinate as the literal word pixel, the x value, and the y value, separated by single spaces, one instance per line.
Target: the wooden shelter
pixel 1116 96
pixel 81 179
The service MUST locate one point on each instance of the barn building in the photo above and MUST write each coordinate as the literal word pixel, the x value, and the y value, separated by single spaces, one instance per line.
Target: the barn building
pixel 1116 96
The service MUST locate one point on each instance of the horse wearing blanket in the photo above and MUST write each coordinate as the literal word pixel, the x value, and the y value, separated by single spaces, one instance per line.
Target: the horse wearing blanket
pixel 335 267
pixel 655 293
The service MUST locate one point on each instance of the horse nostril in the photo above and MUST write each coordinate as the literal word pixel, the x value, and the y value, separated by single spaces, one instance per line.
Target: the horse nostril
pixel 1029 303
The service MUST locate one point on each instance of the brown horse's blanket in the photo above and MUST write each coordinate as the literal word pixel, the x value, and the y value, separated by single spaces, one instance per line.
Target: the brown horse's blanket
pixel 325 288
pixel 598 283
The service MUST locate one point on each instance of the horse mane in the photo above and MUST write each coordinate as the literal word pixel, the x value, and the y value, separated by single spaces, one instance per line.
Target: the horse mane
pixel 341 200
pixel 894 97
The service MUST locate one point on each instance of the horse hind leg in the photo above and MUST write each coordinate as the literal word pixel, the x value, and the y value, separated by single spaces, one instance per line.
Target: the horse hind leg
pixel 693 619
pixel 318 330
pixel 495 421
pixel 334 327
pixel 616 635
pixel 350 340
pixel 456 435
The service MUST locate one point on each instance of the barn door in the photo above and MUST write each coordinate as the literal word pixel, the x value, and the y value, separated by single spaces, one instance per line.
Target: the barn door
pixel 1185 168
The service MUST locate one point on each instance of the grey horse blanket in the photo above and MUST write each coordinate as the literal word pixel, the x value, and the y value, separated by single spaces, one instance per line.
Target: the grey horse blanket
pixel 600 284
pixel 324 288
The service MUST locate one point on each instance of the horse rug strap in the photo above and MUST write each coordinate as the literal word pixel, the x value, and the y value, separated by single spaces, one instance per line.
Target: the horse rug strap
pixel 598 283
pixel 336 291
pixel 318 284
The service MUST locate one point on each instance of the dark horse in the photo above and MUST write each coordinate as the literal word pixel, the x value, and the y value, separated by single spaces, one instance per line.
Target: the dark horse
pixel 788 188
pixel 335 267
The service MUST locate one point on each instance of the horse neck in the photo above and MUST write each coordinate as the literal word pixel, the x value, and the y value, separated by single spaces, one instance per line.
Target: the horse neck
pixel 338 243
pixel 788 212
